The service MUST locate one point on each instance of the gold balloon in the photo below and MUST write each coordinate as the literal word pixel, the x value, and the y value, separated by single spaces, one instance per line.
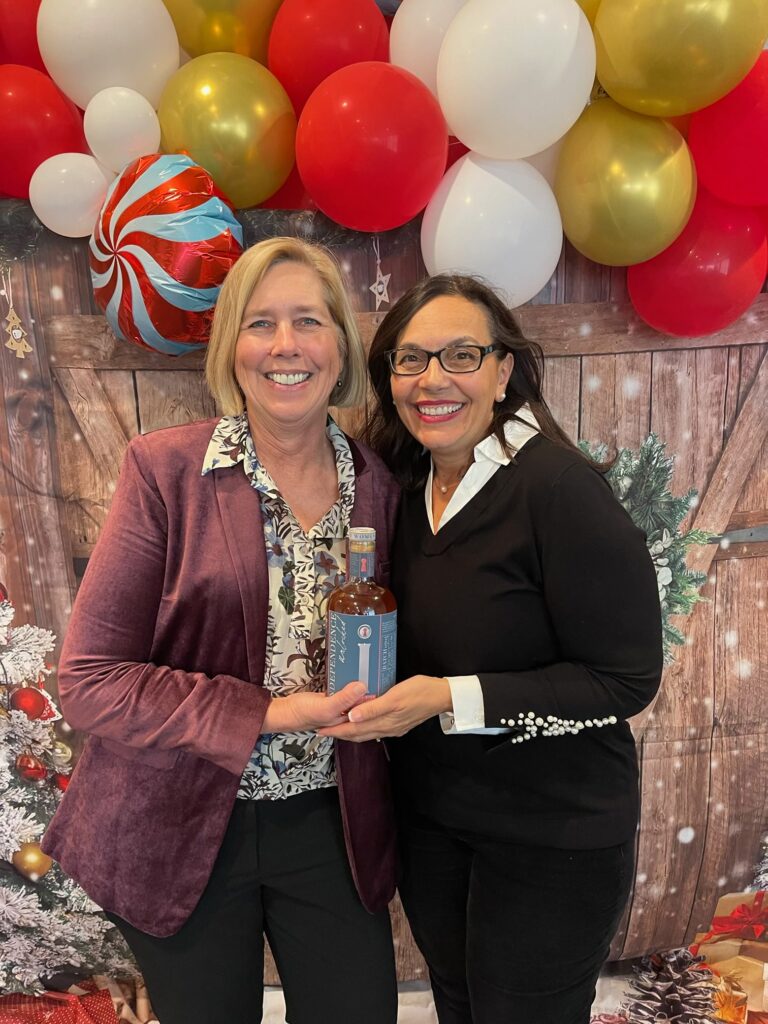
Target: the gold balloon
pixel 590 9
pixel 235 26
pixel 625 184
pixel 231 116
pixel 31 862
pixel 667 57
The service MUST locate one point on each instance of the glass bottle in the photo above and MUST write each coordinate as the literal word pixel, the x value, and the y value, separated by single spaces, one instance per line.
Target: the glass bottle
pixel 362 622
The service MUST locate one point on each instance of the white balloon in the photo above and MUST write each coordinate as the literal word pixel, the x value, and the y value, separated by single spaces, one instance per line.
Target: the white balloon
pixel 67 192
pixel 546 161
pixel 514 75
pixel 417 34
pixel 120 126
pixel 88 45
pixel 495 218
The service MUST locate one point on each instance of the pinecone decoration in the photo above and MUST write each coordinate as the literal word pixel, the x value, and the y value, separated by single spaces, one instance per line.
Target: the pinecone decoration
pixel 671 986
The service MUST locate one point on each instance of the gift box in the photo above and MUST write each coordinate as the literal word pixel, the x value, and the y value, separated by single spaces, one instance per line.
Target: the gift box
pixel 740 915
pixel 715 950
pixel 750 976
pixel 130 999
pixel 58 1008
pixel 755 950
pixel 730 1001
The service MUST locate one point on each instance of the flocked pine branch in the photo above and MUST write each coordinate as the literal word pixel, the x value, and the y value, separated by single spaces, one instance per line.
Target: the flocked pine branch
pixel 640 480
pixel 47 923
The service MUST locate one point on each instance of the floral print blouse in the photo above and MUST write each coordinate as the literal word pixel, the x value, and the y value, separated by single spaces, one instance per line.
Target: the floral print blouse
pixel 303 569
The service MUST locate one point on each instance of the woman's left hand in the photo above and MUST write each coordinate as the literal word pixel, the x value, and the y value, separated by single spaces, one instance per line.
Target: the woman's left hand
pixel 402 707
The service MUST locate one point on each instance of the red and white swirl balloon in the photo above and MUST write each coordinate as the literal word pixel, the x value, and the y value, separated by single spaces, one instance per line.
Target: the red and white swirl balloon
pixel 162 246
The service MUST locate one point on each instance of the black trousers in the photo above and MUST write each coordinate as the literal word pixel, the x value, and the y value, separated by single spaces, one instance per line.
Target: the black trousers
pixel 511 934
pixel 282 871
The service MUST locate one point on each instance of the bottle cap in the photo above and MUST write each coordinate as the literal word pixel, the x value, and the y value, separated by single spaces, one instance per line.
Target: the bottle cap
pixel 362 534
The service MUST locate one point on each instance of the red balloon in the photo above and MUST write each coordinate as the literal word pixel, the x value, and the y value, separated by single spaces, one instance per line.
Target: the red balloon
pixel 682 122
pixel 709 276
pixel 310 39
pixel 292 195
pixel 456 150
pixel 38 121
pixel 18 33
pixel 371 146
pixel 729 140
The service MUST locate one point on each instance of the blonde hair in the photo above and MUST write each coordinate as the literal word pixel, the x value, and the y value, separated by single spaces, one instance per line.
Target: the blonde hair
pixel 247 274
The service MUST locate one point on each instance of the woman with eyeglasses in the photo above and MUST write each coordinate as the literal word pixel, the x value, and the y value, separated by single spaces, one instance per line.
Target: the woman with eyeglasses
pixel 529 631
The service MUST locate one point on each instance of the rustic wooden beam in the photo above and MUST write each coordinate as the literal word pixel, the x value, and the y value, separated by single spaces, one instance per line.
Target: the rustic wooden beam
pixel 95 416
pixel 753 549
pixel 739 454
pixel 597 328
pixel 748 520
pixel 569 329
pixel 40 541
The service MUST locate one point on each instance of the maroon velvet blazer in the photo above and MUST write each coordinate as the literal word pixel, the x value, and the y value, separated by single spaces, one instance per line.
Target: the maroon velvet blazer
pixel 163 665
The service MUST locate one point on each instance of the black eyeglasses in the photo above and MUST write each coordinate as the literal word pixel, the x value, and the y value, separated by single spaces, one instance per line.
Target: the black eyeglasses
pixel 407 362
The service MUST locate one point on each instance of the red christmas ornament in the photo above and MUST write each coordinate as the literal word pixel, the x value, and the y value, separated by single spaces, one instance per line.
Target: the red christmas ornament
pixel 29 700
pixel 30 768
pixel 61 781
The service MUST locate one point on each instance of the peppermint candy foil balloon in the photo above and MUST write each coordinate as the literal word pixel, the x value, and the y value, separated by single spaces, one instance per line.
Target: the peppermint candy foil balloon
pixel 161 248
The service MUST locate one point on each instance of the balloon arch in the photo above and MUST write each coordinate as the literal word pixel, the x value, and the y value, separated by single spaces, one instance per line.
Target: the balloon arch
pixel 640 131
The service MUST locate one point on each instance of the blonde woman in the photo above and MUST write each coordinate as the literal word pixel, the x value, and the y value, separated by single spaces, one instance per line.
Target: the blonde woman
pixel 205 811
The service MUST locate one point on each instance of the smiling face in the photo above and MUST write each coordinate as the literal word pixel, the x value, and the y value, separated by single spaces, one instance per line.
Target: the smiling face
pixel 449 413
pixel 287 358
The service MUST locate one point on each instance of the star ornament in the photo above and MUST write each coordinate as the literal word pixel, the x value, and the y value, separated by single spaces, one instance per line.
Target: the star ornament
pixel 380 286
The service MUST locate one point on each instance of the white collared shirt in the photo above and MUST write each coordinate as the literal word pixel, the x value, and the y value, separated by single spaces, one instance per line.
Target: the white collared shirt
pixel 468 715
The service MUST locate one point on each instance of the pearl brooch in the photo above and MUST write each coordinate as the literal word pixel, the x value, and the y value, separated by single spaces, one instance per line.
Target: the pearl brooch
pixel 530 725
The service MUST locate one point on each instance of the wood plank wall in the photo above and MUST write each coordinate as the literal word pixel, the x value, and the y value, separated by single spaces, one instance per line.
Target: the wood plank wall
pixel 70 408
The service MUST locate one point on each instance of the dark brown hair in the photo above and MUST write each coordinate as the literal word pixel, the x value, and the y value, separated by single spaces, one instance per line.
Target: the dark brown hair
pixel 385 431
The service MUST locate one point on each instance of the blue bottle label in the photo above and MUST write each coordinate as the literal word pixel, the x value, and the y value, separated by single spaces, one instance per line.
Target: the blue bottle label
pixel 362 647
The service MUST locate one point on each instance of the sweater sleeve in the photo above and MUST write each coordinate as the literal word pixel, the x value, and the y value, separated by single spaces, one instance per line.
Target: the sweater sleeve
pixel 107 683
pixel 601 594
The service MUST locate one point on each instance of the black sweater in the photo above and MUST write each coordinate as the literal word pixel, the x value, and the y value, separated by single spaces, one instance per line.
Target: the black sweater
pixel 543 587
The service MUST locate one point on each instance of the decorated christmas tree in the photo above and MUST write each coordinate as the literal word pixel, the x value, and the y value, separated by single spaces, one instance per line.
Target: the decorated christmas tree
pixel 640 480
pixel 47 923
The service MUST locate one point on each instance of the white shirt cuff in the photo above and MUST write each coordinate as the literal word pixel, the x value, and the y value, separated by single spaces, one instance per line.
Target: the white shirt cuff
pixel 468 713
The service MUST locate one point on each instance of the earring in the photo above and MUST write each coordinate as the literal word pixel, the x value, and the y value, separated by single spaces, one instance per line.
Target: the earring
pixel 339 383
pixel 503 396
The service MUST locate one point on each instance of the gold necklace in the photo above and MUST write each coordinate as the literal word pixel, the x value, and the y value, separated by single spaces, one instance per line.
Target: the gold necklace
pixel 444 488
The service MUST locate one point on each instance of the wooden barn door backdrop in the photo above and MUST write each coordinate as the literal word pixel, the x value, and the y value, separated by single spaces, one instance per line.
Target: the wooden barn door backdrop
pixel 73 403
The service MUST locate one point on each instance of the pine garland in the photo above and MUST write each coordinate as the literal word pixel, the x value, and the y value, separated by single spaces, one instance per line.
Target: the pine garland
pixel 640 480
pixel 47 923
pixel 671 986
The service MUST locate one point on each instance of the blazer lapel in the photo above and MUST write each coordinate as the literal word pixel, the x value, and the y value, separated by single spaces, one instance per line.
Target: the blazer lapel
pixel 362 510
pixel 238 502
